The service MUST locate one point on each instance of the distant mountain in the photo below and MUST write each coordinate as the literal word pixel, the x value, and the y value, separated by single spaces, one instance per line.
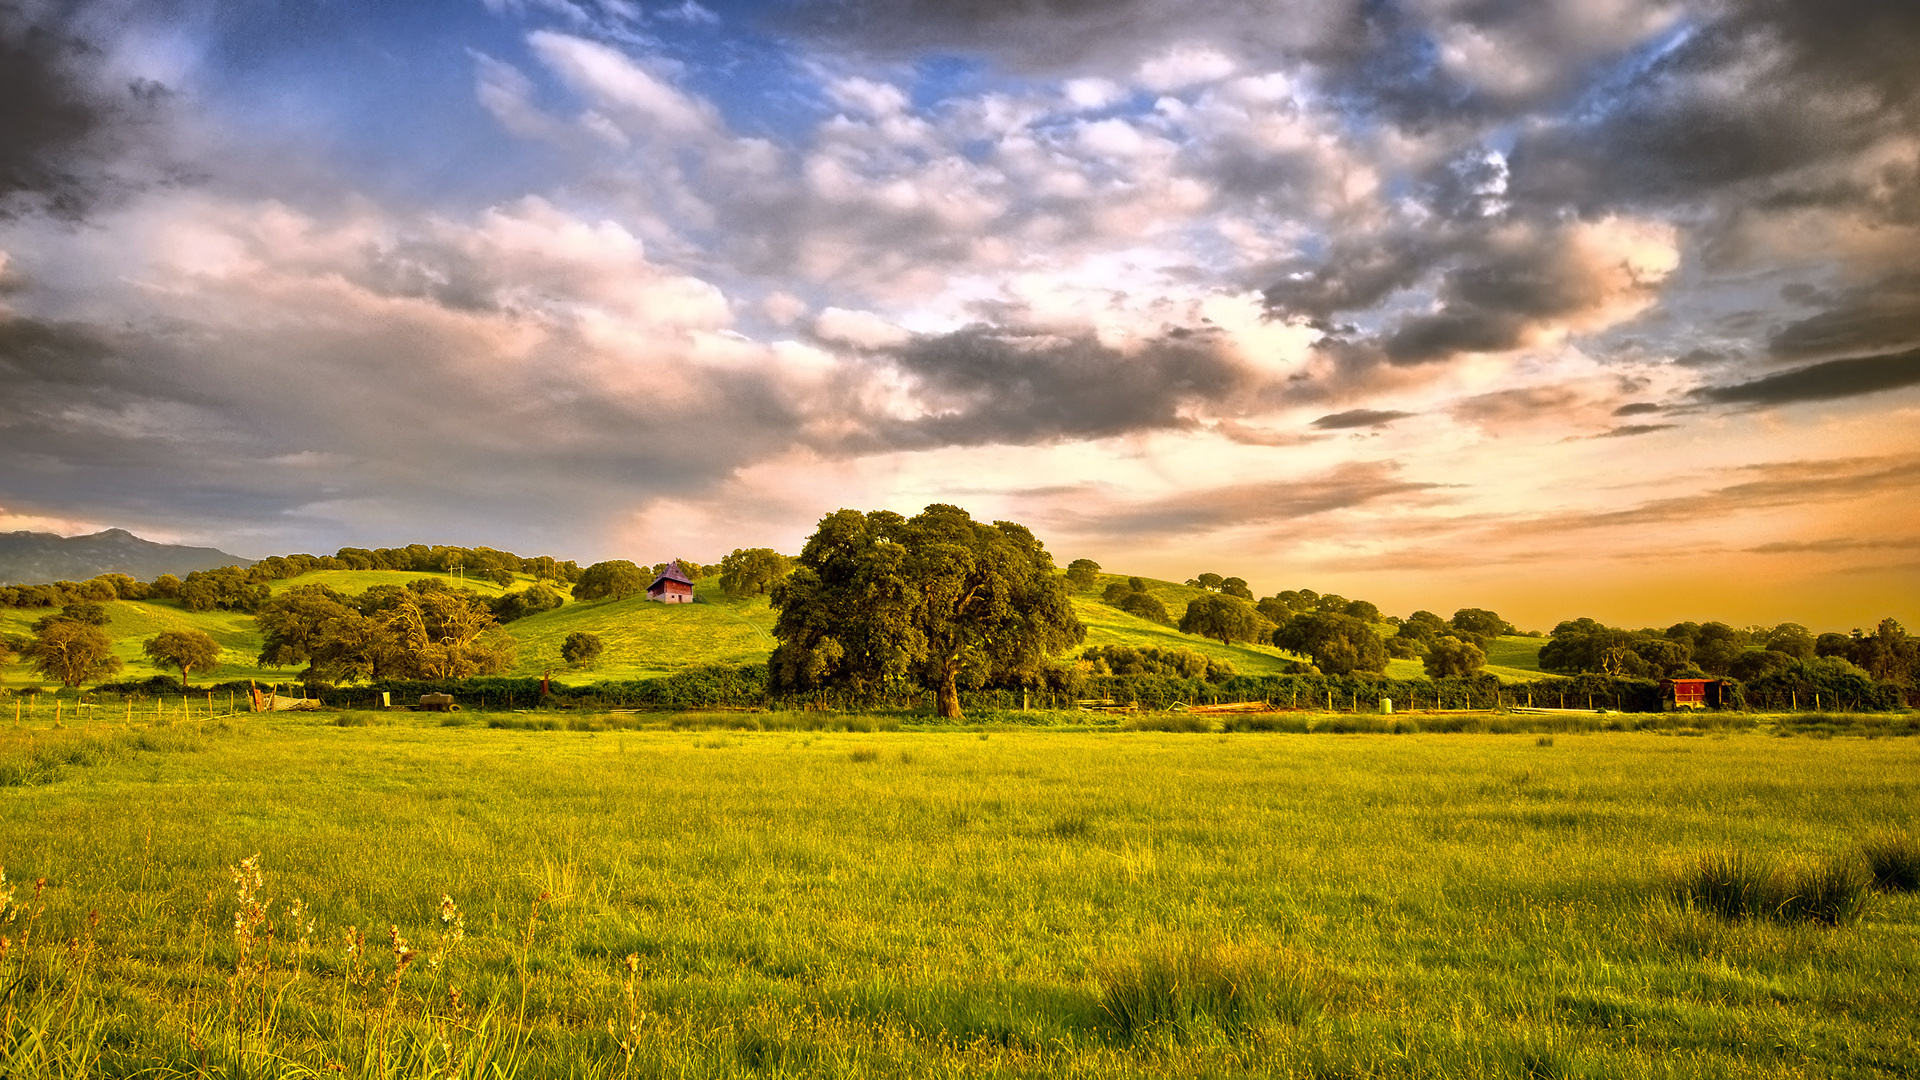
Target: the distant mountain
pixel 31 558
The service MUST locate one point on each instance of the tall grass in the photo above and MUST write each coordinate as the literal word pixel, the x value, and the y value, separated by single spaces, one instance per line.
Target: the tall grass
pixel 795 901
pixel 1742 885
pixel 1894 861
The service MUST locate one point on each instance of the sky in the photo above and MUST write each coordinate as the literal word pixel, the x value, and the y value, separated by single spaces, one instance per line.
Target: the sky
pixel 1563 308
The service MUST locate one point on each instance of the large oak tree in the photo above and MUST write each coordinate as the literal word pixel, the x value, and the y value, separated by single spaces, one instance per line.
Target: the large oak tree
pixel 879 600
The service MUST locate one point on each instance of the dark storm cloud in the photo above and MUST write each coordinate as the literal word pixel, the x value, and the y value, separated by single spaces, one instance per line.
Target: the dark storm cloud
pixel 1829 381
pixel 984 384
pixel 352 421
pixel 1359 418
pixel 1880 316
pixel 1753 92
pixel 1343 488
pixel 61 130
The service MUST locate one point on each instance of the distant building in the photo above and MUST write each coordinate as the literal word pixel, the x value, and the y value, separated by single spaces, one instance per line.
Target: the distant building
pixel 673 586
pixel 1691 693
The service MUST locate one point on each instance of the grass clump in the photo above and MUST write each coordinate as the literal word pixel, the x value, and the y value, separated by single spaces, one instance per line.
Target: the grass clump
pixel 1738 885
pixel 1894 862
pixel 1181 994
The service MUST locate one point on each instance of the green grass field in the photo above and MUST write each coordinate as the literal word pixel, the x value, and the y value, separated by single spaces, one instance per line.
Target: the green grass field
pixel 1028 903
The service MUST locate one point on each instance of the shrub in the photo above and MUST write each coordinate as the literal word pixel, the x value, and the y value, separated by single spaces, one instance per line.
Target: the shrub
pixel 1145 606
pixel 1894 861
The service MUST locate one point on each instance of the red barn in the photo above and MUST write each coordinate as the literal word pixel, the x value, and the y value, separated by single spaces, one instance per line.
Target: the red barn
pixel 673 586
pixel 1691 693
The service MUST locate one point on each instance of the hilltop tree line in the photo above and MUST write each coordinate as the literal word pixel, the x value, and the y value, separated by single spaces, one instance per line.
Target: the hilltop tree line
pixel 234 588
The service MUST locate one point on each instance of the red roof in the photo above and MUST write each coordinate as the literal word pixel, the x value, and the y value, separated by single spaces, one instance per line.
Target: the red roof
pixel 672 573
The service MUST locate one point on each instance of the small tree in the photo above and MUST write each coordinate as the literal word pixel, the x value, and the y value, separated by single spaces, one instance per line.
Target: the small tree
pixel 1146 606
pixel 1082 573
pixel 581 649
pixel 186 650
pixel 73 652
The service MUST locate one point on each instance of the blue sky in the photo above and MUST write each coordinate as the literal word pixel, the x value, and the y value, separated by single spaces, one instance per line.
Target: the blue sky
pixel 1405 299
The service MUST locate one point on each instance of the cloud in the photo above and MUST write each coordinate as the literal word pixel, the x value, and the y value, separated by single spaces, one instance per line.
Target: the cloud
pixel 1627 431
pixel 1359 418
pixel 1883 315
pixel 1834 545
pixel 565 377
pixel 989 384
pixel 1345 487
pixel 66 135
pixel 1535 284
pixel 1829 381
pixel 1255 435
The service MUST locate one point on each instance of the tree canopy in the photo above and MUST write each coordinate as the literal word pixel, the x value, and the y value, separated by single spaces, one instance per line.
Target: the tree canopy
pixel 187 651
pixel 1226 618
pixel 752 572
pixel 1082 573
pixel 1450 656
pixel 615 579
pixel 581 649
pixel 421 630
pixel 73 652
pixel 878 600
pixel 1339 644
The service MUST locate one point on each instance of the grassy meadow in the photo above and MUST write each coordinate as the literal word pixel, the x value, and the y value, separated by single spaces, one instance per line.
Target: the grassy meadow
pixel 765 895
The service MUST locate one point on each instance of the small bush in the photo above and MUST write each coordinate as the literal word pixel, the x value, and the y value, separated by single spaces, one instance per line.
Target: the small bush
pixel 1894 861
pixel 864 754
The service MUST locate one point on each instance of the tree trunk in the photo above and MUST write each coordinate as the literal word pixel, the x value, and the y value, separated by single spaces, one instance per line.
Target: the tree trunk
pixel 946 697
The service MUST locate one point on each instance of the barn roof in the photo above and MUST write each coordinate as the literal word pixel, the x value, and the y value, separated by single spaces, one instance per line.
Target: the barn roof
pixel 672 573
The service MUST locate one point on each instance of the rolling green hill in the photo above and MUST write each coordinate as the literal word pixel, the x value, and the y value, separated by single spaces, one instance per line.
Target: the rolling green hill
pixel 1108 625
pixel 644 639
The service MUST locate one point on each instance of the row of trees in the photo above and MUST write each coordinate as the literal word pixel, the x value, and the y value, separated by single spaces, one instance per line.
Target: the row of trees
pixel 746 572
pixel 1887 654
pixel 422 630
pixel 234 588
